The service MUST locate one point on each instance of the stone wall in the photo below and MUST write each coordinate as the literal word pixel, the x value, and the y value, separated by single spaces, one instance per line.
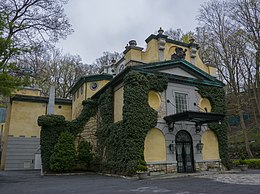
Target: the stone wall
pixel 162 110
pixel 89 132
pixel 163 168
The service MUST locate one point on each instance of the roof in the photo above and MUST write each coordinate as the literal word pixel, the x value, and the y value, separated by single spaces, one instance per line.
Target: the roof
pixel 89 78
pixel 39 99
pixel 202 78
pixel 196 117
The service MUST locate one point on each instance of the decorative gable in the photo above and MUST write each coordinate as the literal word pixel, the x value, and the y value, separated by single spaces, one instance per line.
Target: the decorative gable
pixel 178 71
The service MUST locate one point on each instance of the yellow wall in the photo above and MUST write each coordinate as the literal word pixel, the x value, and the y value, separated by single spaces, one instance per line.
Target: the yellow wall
pixel 154 146
pixel 29 92
pixel 204 104
pixel 118 104
pixel 7 124
pixel 87 93
pixel 77 101
pixel 65 110
pixel 134 55
pixel 210 149
pixel 154 99
pixel 151 54
pixel 24 117
pixel 90 92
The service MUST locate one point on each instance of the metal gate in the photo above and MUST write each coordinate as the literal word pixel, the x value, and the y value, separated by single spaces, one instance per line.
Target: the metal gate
pixel 184 152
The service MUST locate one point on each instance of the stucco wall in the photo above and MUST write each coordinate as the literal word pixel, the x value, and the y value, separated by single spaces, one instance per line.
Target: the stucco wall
pixel 118 104
pixel 154 146
pixel 23 120
pixel 151 54
pixel 29 92
pixel 77 99
pixel 210 149
pixel 64 110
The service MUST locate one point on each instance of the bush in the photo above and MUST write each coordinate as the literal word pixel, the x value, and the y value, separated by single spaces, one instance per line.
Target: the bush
pixel 142 166
pixel 252 163
pixel 85 155
pixel 64 154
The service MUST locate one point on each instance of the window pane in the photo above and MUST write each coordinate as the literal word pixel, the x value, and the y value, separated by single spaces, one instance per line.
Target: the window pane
pixel 181 102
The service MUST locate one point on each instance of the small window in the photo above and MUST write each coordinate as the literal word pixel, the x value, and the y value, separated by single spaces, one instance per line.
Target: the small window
pixel 59 106
pixel 73 97
pixel 181 102
pixel 81 90
pixel 93 86
pixel 78 94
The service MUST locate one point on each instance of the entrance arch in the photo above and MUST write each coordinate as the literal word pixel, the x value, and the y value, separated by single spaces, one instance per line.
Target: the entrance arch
pixel 184 152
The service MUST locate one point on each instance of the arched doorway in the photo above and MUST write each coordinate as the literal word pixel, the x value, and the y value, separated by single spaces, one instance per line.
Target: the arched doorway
pixel 184 152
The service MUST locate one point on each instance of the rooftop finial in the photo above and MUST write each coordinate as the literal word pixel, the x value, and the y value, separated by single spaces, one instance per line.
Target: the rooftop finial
pixel 160 31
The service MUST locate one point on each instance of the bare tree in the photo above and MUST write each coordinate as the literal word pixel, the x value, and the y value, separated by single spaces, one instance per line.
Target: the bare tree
pixel 25 23
pixel 246 14
pixel 226 48
pixel 50 66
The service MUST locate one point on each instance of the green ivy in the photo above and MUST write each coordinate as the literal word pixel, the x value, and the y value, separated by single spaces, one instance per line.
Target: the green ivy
pixel 121 144
pixel 53 125
pixel 216 97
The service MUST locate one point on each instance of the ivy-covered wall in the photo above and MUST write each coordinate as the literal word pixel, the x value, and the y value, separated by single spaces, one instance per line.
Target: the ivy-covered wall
pixel 121 144
pixel 53 125
pixel 216 97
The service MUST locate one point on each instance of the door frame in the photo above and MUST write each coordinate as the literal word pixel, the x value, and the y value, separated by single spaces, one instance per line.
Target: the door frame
pixel 190 141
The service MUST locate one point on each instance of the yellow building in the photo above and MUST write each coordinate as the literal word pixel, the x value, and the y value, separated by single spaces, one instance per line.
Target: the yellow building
pixel 21 137
pixel 181 140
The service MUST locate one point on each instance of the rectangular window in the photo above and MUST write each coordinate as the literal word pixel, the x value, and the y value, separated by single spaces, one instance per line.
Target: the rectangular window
pixel 81 90
pixel 181 102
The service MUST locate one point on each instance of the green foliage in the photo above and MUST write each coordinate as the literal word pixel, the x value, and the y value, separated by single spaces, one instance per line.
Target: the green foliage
pixel 85 155
pixel 216 97
pixel 9 83
pixel 63 158
pixel 142 166
pixel 252 163
pixel 53 125
pixel 121 144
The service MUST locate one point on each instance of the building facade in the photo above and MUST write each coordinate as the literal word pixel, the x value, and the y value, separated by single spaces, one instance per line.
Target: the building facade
pixel 21 137
pixel 180 141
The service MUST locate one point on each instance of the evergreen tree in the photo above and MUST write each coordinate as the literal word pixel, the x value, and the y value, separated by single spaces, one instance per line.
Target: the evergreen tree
pixel 63 158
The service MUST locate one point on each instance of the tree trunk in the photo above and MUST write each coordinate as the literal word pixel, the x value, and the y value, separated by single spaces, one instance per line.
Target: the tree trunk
pixel 243 126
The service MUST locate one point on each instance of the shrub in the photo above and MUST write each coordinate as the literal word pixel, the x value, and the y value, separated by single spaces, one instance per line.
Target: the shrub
pixel 252 163
pixel 64 154
pixel 85 155
pixel 142 166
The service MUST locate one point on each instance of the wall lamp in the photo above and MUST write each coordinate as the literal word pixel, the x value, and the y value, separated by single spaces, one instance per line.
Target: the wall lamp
pixel 198 127
pixel 171 147
pixel 171 126
pixel 199 146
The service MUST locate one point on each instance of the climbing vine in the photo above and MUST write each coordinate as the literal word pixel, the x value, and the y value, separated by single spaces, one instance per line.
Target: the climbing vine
pixel 121 144
pixel 53 125
pixel 216 97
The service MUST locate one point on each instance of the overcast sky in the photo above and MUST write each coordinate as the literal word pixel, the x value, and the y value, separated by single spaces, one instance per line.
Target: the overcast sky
pixel 108 25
